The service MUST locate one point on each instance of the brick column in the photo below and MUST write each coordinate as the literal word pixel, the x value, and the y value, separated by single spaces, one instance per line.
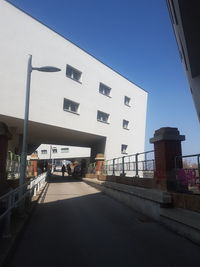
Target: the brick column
pixel 167 145
pixel 35 166
pixel 99 163
pixel 34 163
pixel 4 137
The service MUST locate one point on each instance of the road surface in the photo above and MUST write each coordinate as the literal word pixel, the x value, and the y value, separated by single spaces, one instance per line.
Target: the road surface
pixel 76 225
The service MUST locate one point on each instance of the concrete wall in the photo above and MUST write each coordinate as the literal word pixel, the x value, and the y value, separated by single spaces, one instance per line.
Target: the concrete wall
pixel 155 204
pixel 22 35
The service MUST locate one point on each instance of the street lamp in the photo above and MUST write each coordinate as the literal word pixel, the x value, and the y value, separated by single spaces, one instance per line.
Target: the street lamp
pixel 26 114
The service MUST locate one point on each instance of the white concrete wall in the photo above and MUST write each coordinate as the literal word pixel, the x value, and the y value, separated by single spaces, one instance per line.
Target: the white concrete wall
pixel 22 35
pixel 74 152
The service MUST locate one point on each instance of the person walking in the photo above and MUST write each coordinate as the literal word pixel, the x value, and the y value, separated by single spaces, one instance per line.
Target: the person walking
pixel 69 169
pixel 63 170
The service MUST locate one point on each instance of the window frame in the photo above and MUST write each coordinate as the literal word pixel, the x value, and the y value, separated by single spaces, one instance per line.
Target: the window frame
pixel 54 150
pixel 125 121
pixel 69 110
pixel 76 71
pixel 64 148
pixel 103 113
pixel 127 104
pixel 106 88
pixel 44 151
pixel 122 149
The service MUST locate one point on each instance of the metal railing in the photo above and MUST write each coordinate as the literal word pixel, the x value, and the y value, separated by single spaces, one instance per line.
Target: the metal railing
pixel 12 169
pixel 15 197
pixel 91 168
pixel 12 165
pixel 188 175
pixel 137 165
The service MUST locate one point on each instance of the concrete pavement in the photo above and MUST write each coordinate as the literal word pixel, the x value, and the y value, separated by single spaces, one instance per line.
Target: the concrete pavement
pixel 76 225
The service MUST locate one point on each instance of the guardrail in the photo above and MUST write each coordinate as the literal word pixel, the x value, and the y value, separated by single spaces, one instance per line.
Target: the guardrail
pixel 188 177
pixel 15 197
pixel 137 165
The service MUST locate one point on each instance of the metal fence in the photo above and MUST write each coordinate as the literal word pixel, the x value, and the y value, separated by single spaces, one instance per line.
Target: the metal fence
pixel 15 197
pixel 188 176
pixel 91 168
pixel 13 166
pixel 137 165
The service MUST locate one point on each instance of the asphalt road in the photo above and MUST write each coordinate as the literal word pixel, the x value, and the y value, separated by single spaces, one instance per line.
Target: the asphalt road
pixel 76 225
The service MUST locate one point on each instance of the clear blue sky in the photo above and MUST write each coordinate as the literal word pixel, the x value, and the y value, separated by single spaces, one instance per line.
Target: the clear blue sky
pixel 135 38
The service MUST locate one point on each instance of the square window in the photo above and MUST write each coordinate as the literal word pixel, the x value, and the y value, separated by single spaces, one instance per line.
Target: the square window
pixel 54 150
pixel 73 73
pixel 125 124
pixel 104 89
pixel 64 150
pixel 124 149
pixel 127 101
pixel 102 116
pixel 70 106
pixel 43 151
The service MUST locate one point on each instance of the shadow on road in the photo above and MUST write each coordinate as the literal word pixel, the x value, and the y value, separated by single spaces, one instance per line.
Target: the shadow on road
pixel 55 178
pixel 94 230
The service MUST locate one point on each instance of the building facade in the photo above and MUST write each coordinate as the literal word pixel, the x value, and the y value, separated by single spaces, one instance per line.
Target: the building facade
pixel 186 24
pixel 46 151
pixel 87 104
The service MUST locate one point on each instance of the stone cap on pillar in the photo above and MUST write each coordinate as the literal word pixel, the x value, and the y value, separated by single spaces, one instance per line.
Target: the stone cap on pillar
pixel 99 157
pixel 167 134
pixel 4 130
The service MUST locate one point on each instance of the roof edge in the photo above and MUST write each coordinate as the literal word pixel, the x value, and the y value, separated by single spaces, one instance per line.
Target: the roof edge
pixel 7 1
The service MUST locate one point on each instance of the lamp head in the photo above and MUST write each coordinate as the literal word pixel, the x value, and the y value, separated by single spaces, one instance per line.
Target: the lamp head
pixel 47 69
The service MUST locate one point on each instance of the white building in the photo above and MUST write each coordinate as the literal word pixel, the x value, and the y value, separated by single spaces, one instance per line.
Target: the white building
pixel 87 104
pixel 186 24
pixel 46 151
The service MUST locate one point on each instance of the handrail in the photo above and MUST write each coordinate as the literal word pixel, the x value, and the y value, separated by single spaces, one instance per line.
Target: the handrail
pixel 134 165
pixel 14 197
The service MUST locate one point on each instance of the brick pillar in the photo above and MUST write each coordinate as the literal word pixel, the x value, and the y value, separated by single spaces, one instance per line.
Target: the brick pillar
pixel 4 137
pixel 99 163
pixel 34 164
pixel 167 145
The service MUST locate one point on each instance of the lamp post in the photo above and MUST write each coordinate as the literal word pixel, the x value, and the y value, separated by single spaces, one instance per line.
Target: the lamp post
pixel 26 114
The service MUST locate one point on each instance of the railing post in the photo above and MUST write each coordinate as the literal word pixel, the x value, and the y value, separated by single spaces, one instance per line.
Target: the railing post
pixel 30 191
pixel 145 162
pixel 113 166
pixel 136 165
pixel 123 172
pixel 7 233
pixel 35 191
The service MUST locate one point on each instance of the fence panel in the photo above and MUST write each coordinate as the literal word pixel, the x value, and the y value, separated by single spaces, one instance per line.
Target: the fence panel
pixel 137 165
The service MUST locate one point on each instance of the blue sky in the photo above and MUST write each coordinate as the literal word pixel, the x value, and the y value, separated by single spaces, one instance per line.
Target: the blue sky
pixel 135 38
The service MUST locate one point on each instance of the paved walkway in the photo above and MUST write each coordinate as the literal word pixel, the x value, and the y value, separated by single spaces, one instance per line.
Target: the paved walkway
pixel 76 225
